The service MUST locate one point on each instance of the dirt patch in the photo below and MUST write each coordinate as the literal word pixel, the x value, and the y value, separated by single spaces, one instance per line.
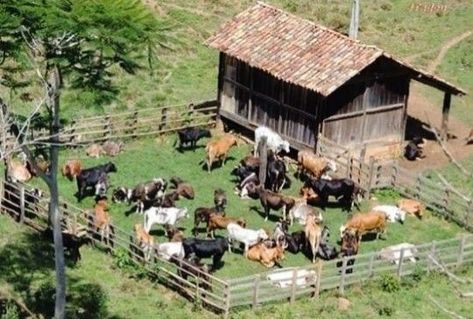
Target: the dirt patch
pixel 435 157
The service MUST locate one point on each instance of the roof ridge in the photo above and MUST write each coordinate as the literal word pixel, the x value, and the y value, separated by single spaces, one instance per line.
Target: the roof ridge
pixel 321 26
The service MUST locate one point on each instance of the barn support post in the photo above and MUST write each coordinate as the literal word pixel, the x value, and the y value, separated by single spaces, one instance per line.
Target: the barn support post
pixel 445 111
pixel 293 286
pixel 401 261
pixel 461 250
pixel 22 205
pixel 263 156
pixel 221 70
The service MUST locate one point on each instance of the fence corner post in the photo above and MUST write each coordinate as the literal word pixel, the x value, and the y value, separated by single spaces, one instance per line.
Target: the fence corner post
pixel 319 279
pixel 263 155
pixel 227 300
pixel 370 177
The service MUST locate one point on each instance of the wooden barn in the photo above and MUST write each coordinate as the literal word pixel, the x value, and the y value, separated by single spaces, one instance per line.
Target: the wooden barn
pixel 302 79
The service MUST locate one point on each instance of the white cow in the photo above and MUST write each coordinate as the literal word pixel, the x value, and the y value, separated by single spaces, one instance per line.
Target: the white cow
pixel 393 253
pixel 392 212
pixel 300 211
pixel 284 278
pixel 166 250
pixel 163 216
pixel 274 142
pixel 248 237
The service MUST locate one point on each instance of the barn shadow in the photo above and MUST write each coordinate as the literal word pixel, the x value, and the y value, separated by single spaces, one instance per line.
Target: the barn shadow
pixel 27 266
pixel 416 127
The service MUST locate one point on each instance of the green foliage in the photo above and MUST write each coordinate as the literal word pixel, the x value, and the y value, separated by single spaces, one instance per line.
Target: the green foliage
pixel 385 311
pixel 123 259
pixel 389 283
pixel 10 310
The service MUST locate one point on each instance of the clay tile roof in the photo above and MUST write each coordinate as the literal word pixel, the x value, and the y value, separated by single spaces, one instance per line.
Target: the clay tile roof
pixel 299 51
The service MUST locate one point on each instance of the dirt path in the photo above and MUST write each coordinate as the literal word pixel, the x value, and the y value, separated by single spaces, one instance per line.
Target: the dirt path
pixel 443 51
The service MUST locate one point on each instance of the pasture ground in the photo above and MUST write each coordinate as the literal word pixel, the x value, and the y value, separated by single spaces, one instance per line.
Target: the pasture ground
pixel 98 289
pixel 147 158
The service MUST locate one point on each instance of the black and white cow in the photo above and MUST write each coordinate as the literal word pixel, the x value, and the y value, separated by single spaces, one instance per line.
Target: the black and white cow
pixel 90 177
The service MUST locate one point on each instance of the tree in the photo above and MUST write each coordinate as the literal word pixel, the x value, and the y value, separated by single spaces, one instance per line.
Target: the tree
pixel 68 44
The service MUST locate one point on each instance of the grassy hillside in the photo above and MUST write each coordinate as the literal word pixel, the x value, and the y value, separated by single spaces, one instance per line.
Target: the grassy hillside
pixel 188 70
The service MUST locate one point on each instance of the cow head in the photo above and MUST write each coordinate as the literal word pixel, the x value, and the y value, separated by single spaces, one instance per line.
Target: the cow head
pixel 241 222
pixel 120 195
pixel 285 146
pixel 262 235
pixel 110 168
pixel 350 242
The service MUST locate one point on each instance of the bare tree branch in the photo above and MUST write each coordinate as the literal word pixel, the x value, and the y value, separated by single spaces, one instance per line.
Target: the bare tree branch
pixel 450 187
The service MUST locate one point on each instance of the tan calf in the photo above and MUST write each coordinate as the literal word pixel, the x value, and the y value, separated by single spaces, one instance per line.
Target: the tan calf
pixel 372 222
pixel 412 207
pixel 217 221
pixel 266 256
pixel 144 240
pixel 313 233
pixel 217 150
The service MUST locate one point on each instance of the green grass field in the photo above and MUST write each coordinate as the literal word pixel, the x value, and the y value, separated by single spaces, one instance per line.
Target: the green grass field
pixel 148 158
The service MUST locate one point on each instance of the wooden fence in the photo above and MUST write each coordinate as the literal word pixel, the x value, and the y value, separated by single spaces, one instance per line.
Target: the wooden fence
pixel 131 124
pixel 18 202
pixel 290 284
pixel 382 174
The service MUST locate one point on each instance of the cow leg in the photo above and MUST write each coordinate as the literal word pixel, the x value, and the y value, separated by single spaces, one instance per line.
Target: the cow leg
pixel 266 212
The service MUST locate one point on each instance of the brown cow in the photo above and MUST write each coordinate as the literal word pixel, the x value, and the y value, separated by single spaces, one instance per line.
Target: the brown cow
pixel 174 234
pixel 271 200
pixel 217 150
pixel 266 256
pixel 217 221
pixel 71 169
pixel 309 162
pixel 144 240
pixel 372 222
pixel 313 234
pixel 412 207
pixel 182 188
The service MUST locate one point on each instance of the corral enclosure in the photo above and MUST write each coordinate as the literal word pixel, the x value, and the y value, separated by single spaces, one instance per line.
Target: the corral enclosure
pixel 158 158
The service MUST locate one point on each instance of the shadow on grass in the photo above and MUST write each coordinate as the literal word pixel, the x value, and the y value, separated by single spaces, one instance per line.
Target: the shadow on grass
pixel 27 265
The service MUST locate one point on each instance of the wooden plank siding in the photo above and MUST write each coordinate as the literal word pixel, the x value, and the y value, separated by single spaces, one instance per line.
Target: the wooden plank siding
pixel 369 108
pixel 252 97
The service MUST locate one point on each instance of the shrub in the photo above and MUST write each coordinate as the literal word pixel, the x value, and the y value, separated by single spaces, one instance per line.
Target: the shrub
pixel 10 311
pixel 123 259
pixel 389 283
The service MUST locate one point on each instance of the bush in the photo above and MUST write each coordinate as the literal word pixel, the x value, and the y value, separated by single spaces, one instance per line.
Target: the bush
pixel 123 259
pixel 386 311
pixel 389 283
pixel 10 311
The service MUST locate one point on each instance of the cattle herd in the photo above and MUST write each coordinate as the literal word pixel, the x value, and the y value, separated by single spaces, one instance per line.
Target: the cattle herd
pixel 156 199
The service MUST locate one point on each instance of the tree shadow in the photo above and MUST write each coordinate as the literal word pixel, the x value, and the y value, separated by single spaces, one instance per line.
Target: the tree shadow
pixel 27 265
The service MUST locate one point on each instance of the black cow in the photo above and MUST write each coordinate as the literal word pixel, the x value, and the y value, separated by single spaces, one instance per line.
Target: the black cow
pixel 414 149
pixel 350 247
pixel 296 242
pixel 71 243
pixel 191 135
pixel 326 251
pixel 276 177
pixel 206 248
pixel 90 177
pixel 342 189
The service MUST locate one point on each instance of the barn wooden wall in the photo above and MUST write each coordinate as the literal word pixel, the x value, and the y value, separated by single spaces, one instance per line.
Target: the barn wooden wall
pixel 253 97
pixel 370 107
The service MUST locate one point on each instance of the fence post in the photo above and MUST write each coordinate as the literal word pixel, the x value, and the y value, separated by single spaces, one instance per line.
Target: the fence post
pixel 370 177
pixel 462 251
pixel 370 267
pixel 164 112
pixel 1 192
pixel 106 126
pixel 469 214
pixel 401 260
pixel 197 295
pixel 227 300
pixel 341 288
pixel 394 174
pixel 255 292
pixel 319 279
pixel 22 204
pixel 431 255
pixel 418 186
pixel 134 124
pixel 446 201
pixel 294 285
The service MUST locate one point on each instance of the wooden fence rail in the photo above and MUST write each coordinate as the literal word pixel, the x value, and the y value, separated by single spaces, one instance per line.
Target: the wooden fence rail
pixel 130 124
pixel 377 174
